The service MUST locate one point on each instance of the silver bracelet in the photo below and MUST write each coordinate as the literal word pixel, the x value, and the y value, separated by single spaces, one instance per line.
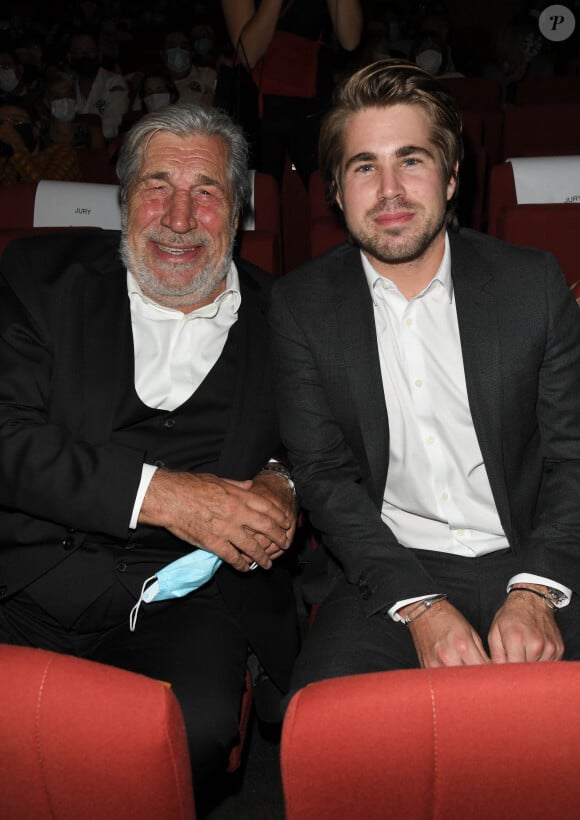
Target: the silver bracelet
pixel 423 606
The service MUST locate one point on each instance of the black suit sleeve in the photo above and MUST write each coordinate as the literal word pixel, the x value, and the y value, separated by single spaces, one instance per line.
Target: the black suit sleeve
pixel 552 547
pixel 48 470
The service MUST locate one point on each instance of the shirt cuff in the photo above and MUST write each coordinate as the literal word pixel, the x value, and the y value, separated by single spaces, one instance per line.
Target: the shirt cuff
pixel 147 474
pixel 393 611
pixel 528 578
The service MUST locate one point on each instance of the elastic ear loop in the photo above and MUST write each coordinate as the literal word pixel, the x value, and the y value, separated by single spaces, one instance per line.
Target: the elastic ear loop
pixel 135 610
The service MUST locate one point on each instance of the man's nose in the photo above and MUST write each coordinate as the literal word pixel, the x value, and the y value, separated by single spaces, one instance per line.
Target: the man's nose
pixel 180 213
pixel 390 183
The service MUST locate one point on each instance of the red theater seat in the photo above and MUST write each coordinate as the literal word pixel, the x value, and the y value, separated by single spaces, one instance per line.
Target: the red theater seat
pixel 84 740
pixel 462 743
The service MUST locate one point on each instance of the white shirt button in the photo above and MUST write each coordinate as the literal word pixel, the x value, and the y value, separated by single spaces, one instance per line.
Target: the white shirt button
pixel 418 382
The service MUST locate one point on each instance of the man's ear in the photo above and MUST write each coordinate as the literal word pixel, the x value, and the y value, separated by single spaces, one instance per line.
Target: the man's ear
pixel 338 199
pixel 452 184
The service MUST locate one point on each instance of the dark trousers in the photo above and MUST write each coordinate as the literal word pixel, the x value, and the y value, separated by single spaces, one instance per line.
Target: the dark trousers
pixel 343 641
pixel 191 642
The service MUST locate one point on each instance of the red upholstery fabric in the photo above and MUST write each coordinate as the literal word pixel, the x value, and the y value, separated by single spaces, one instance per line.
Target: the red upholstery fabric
pixel 246 705
pixel 83 740
pixel 545 129
pixel 553 227
pixel 502 192
pixel 325 233
pixel 548 90
pixel 466 743
pixel 17 205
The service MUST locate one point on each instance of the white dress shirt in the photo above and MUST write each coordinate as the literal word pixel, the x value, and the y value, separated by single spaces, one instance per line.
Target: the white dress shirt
pixel 175 351
pixel 437 495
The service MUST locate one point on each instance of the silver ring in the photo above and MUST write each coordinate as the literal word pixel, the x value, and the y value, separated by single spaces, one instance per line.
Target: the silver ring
pixel 253 565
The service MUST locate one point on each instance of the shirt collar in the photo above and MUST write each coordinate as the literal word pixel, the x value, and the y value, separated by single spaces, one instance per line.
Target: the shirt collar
pixel 231 292
pixel 443 274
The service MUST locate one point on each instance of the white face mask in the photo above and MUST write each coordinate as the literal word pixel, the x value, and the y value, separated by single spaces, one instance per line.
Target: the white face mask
pixel 8 80
pixel 153 102
pixel 178 60
pixel 64 109
pixel 430 60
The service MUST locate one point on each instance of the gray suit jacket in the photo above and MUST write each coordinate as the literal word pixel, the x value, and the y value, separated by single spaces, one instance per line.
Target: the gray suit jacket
pixel 520 337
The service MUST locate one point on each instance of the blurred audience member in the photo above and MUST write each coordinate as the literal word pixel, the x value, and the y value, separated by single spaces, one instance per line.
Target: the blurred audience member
pixel 21 157
pixel 98 91
pixel 285 46
pixel 156 90
pixel 195 83
pixel 429 52
pixel 59 119
pixel 12 82
pixel 518 56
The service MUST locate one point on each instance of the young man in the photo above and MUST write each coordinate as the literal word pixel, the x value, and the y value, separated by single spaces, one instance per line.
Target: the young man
pixel 429 391
pixel 136 423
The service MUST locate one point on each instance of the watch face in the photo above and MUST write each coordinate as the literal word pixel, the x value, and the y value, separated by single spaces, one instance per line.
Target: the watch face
pixel 556 595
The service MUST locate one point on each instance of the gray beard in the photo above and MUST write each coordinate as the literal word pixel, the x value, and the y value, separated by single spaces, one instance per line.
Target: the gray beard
pixel 191 293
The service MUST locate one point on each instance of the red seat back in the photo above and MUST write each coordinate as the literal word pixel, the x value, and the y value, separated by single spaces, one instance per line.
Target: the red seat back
pixel 467 742
pixel 82 739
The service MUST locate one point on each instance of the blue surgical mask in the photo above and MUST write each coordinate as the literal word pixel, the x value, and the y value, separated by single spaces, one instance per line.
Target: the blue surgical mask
pixel 178 60
pixel 177 579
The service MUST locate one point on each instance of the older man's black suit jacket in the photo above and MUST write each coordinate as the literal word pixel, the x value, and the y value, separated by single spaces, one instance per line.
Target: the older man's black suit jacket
pixel 65 339
pixel 520 338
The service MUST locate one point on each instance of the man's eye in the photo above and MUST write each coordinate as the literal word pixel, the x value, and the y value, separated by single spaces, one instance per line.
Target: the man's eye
pixel 364 168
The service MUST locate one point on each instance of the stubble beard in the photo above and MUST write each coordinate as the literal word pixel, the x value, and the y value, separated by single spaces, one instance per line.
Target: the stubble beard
pixel 378 243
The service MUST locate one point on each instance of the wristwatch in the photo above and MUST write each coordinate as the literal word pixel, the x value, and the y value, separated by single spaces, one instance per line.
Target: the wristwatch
pixel 558 597
pixel 281 470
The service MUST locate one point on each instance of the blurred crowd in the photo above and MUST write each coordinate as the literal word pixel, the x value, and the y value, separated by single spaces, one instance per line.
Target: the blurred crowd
pixel 78 74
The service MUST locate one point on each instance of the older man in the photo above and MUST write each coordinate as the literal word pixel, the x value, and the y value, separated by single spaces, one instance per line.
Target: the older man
pixel 136 420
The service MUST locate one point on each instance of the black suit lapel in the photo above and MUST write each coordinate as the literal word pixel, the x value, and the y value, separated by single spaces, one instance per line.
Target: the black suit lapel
pixel 482 360
pixel 107 343
pixel 253 388
pixel 356 326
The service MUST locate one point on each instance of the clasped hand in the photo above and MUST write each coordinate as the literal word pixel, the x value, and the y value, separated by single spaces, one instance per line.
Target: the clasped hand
pixel 524 629
pixel 240 521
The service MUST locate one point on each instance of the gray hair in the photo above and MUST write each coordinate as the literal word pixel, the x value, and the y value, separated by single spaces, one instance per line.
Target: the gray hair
pixel 186 120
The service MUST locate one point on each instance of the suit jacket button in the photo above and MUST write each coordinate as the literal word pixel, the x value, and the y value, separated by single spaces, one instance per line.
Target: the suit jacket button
pixel 121 566
pixel 68 543
pixel 169 423
pixel 3 591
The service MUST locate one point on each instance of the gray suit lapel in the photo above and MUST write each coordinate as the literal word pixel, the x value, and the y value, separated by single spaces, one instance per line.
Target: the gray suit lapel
pixel 356 325
pixel 477 314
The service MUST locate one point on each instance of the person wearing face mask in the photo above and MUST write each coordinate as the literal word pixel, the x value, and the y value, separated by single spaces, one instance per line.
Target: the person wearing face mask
pixel 11 75
pixel 429 51
pixel 61 123
pixel 203 45
pixel 21 157
pixel 156 90
pixel 194 83
pixel 97 90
